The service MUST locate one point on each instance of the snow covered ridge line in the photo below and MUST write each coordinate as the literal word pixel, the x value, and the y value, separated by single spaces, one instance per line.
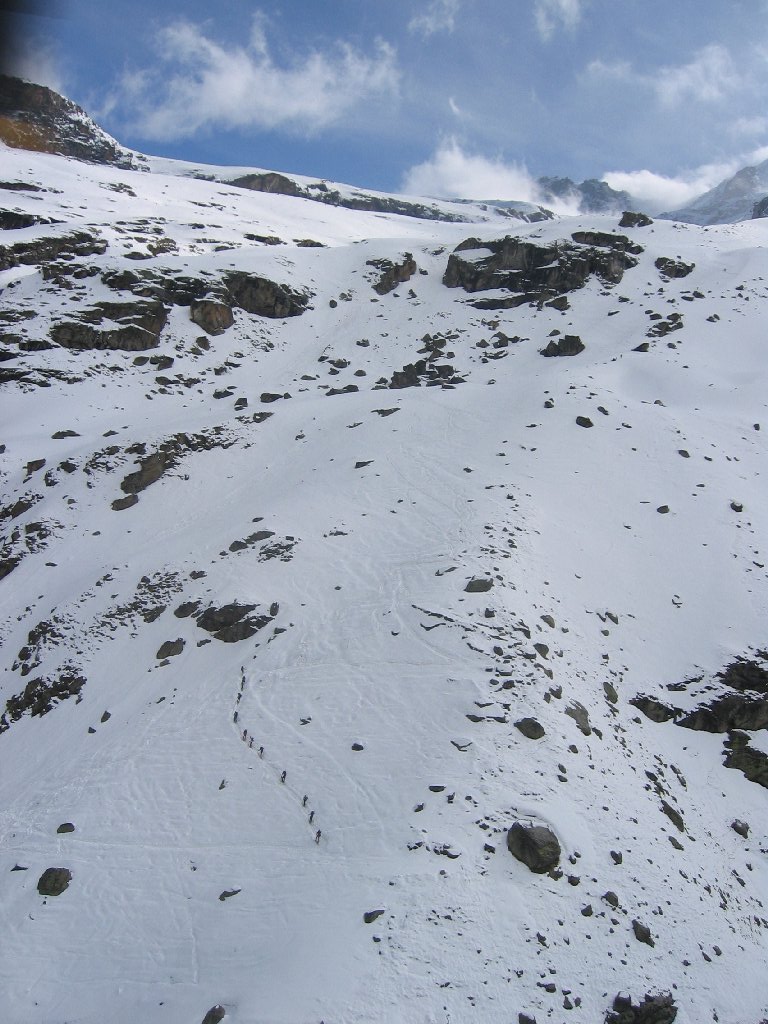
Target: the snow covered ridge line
pixel 438 701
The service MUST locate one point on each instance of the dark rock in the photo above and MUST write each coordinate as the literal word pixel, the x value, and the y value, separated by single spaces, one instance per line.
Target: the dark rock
pixel 393 274
pixel 131 327
pixel 744 674
pixel 760 209
pixel 642 933
pixel 579 714
pixel 654 709
pixel 119 504
pixel 270 182
pixel 213 316
pixel 214 619
pixel 674 816
pixel 67 826
pixel 478 586
pixel 372 915
pixel 741 827
pixel 606 240
pixel 751 762
pixel 263 297
pixel 12 220
pixel 215 1015
pixel 673 268
pixel 567 345
pixel 54 881
pixel 530 728
pixel 170 649
pixel 658 1009
pixel 37 118
pixel 536 273
pixel 634 220
pixel 611 899
pixel 536 846
pixel 523 1018
pixel 228 893
pixel 584 421
pixel 40 696
pixel 151 469
pixel 733 711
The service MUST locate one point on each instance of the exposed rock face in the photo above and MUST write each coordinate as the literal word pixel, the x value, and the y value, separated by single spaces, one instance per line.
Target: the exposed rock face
pixel 536 846
pixel 634 220
pixel 536 273
pixel 212 316
pixel 673 268
pixel 567 345
pixel 130 327
pixel 530 728
pixel 39 696
pixel 263 297
pixel 318 192
pixel 753 763
pixel 606 240
pixel 232 622
pixel 393 274
pixel 659 1009
pixel 592 195
pixel 45 250
pixel 760 209
pixel 34 117
pixel 170 649
pixel 54 881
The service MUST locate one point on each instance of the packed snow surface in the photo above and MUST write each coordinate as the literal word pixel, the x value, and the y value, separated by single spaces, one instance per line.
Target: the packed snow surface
pixel 239 806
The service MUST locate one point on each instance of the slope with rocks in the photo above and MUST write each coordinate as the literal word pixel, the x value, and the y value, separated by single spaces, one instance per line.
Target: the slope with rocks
pixel 328 710
pixel 732 200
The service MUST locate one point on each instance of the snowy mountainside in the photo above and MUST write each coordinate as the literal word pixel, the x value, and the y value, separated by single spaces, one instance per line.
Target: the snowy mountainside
pixel 321 583
pixel 732 200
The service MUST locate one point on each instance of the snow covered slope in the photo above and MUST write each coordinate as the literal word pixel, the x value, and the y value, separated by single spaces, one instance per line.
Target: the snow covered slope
pixel 281 675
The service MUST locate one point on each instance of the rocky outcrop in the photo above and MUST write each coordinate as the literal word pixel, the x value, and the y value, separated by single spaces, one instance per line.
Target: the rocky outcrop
pixel 263 297
pixel 606 240
pixel 673 268
pixel 272 182
pixel 40 696
pixel 125 326
pixel 567 345
pixel 750 761
pixel 760 209
pixel 44 250
pixel 658 1009
pixel 634 220
pixel 591 196
pixel 535 273
pixel 536 846
pixel 233 622
pixel 392 274
pixel 36 118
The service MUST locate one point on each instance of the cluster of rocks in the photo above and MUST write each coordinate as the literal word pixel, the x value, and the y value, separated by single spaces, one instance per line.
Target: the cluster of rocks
pixel 536 273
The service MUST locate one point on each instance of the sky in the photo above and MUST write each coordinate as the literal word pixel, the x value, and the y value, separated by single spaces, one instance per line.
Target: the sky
pixel 471 98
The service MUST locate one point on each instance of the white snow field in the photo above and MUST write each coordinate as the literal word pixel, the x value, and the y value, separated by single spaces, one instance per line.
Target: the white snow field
pixel 384 690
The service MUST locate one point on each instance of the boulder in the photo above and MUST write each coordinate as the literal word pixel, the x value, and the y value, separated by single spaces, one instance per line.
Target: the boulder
pixel 673 268
pixel 536 846
pixel 530 728
pixel 393 274
pixel 212 316
pixel 54 881
pixel 567 345
pixel 170 649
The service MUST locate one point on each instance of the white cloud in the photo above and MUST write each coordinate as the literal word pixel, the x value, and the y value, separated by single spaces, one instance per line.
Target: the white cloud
pixel 439 16
pixel 662 192
pixel 200 84
pixel 709 76
pixel 452 173
pixel 553 14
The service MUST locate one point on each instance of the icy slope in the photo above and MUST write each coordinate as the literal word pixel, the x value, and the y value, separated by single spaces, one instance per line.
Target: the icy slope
pixel 414 569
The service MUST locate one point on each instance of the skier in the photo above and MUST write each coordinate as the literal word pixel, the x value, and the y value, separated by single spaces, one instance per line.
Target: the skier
pixel 311 817
pixel 250 742
pixel 261 751
pixel 317 836
pixel 304 801
pixel 282 777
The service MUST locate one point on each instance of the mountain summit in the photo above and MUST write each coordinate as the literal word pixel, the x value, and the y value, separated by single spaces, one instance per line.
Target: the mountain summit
pixel 383 607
